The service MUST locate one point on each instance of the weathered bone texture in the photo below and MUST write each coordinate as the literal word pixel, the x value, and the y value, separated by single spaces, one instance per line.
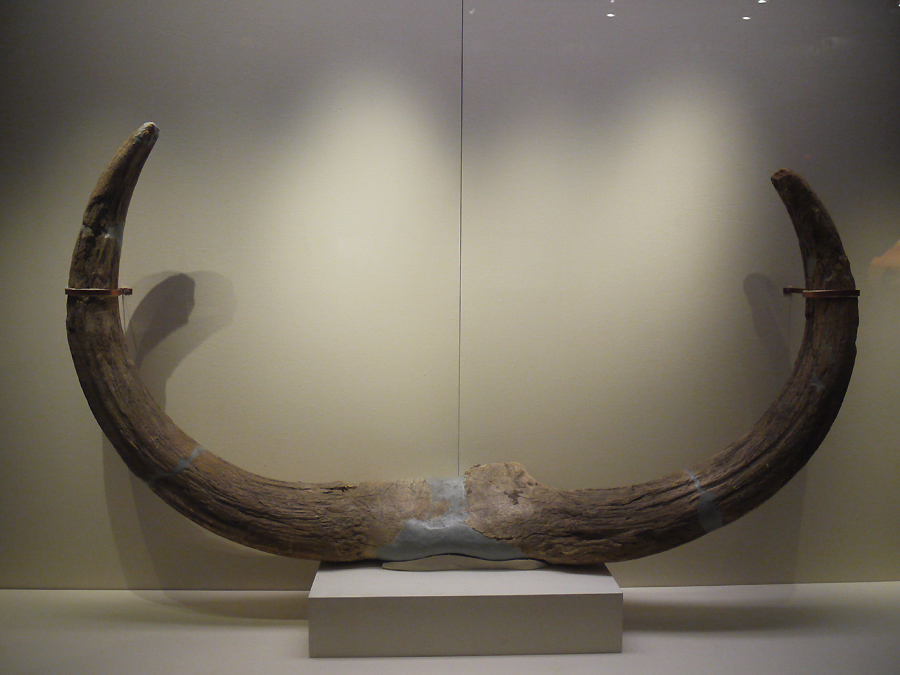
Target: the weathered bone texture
pixel 500 503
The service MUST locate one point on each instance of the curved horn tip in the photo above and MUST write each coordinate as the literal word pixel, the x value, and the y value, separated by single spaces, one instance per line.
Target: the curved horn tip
pixel 783 174
pixel 139 143
pixel 787 179
pixel 147 131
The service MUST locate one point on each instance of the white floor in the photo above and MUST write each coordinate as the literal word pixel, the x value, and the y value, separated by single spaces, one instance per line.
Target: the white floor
pixel 795 629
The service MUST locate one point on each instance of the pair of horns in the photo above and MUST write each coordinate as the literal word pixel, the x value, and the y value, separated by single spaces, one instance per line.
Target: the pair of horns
pixel 495 511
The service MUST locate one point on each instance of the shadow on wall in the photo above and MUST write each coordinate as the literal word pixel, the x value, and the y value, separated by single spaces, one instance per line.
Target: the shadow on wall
pixel 770 312
pixel 762 296
pixel 764 545
pixel 158 547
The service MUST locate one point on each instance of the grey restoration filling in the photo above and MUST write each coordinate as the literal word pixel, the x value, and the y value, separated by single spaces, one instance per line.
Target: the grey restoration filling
pixel 707 512
pixel 181 466
pixel 448 533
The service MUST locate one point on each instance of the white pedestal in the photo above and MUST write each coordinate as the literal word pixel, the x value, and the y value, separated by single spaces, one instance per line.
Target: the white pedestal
pixel 364 610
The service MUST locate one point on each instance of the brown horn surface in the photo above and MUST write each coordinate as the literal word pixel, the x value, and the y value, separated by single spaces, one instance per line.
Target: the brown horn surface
pixel 630 522
pixel 500 505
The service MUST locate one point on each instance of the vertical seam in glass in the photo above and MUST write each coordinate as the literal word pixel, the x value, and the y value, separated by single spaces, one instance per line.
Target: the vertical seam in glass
pixel 462 39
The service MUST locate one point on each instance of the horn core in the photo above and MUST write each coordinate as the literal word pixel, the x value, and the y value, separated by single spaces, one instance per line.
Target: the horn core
pixel 496 511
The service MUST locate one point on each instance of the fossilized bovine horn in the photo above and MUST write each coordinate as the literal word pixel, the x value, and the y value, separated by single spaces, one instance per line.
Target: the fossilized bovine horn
pixel 495 511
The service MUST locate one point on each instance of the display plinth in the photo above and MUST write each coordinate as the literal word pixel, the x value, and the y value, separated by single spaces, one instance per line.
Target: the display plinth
pixel 360 609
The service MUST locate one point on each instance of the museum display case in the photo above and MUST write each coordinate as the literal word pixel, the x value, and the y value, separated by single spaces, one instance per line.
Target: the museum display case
pixel 389 240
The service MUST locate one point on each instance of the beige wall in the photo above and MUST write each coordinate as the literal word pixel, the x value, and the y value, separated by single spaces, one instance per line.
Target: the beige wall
pixel 357 256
